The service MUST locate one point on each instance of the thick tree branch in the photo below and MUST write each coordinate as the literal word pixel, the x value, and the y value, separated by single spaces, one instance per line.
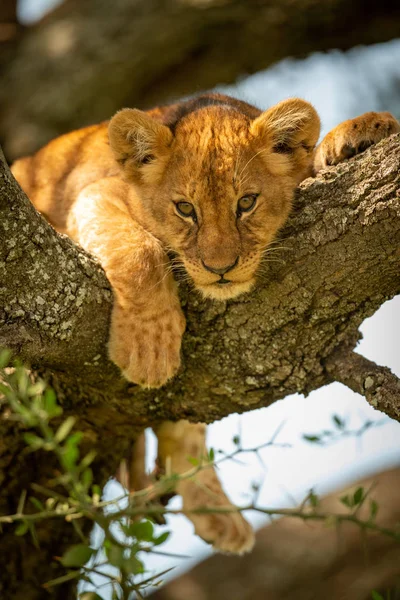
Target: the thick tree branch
pixel 338 263
pixel 87 59
pixel 377 384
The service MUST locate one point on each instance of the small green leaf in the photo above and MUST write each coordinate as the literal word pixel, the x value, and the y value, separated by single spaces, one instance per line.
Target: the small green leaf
pixel 62 579
pixel 22 528
pixel 71 451
pixel 142 530
pixel 358 496
pixel 77 555
pixel 115 555
pixel 50 404
pixel 88 459
pixel 211 455
pixel 37 388
pixel 87 478
pixel 314 500
pixel 64 429
pixel 347 501
pixel 314 439
pixel 376 596
pixel 36 503
pixel 373 508
pixel 5 357
pixel 236 440
pixel 193 461
pixel 133 566
pixel 161 538
pixel 34 441
pixel 340 423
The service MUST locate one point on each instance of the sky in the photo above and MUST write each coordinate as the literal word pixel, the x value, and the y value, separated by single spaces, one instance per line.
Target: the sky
pixel 341 86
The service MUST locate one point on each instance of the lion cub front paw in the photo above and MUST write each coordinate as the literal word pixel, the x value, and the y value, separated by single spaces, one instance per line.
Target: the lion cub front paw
pixel 227 532
pixel 353 137
pixel 147 349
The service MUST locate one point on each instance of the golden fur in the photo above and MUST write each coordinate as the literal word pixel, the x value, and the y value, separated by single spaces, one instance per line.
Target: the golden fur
pixel 120 188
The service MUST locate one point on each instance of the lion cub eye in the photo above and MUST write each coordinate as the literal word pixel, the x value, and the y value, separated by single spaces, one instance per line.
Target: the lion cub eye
pixel 186 209
pixel 246 203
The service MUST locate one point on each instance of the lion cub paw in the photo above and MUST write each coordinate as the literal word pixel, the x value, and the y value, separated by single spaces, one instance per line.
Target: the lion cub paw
pixel 227 532
pixel 147 349
pixel 353 137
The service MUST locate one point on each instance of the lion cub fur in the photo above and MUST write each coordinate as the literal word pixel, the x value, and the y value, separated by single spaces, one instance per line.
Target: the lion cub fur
pixel 117 189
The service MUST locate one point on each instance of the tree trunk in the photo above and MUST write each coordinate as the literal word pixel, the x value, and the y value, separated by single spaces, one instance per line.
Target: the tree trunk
pixel 338 262
pixel 302 560
pixel 88 59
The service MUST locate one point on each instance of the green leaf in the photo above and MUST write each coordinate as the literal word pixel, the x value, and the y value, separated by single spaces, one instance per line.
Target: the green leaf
pixel 22 528
pixel 77 555
pixel 50 404
pixel 88 459
pixel 161 538
pixel 133 566
pixel 115 555
pixel 314 500
pixel 71 451
pixel 36 503
pixel 64 429
pixel 376 596
pixel 193 461
pixel 236 440
pixel 314 439
pixel 87 478
pixel 22 381
pixel 34 441
pixel 5 357
pixel 340 423
pixel 347 501
pixel 142 531
pixel 373 508
pixel 96 490
pixel 211 455
pixel 62 579
pixel 358 496
pixel 36 389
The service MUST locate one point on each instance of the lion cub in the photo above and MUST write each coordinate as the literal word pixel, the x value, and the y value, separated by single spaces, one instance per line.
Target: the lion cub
pixel 210 180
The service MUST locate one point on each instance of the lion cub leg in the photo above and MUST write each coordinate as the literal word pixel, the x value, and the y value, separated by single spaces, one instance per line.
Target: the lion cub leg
pixel 147 322
pixel 354 136
pixel 177 443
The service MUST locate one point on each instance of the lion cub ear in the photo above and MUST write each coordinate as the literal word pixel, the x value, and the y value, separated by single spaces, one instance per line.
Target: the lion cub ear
pixel 290 128
pixel 138 140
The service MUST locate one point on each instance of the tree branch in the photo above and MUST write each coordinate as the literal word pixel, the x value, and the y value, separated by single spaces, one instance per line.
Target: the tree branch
pixel 377 384
pixel 337 264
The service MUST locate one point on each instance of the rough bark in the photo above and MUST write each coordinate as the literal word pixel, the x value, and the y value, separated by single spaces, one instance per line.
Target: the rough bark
pixel 88 59
pixel 297 560
pixel 378 384
pixel 338 262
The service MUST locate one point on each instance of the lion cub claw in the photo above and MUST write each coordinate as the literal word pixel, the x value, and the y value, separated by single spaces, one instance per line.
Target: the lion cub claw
pixel 353 137
pixel 147 349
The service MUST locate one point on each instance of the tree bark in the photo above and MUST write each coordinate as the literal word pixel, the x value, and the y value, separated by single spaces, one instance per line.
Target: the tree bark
pixel 298 560
pixel 336 262
pixel 88 59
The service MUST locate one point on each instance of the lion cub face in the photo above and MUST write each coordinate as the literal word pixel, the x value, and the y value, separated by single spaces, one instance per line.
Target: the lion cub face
pixel 217 185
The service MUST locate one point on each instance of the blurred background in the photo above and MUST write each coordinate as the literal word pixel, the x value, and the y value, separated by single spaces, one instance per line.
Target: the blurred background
pixel 66 64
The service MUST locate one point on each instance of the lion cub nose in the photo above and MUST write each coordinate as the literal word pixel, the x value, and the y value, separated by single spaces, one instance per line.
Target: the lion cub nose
pixel 220 270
